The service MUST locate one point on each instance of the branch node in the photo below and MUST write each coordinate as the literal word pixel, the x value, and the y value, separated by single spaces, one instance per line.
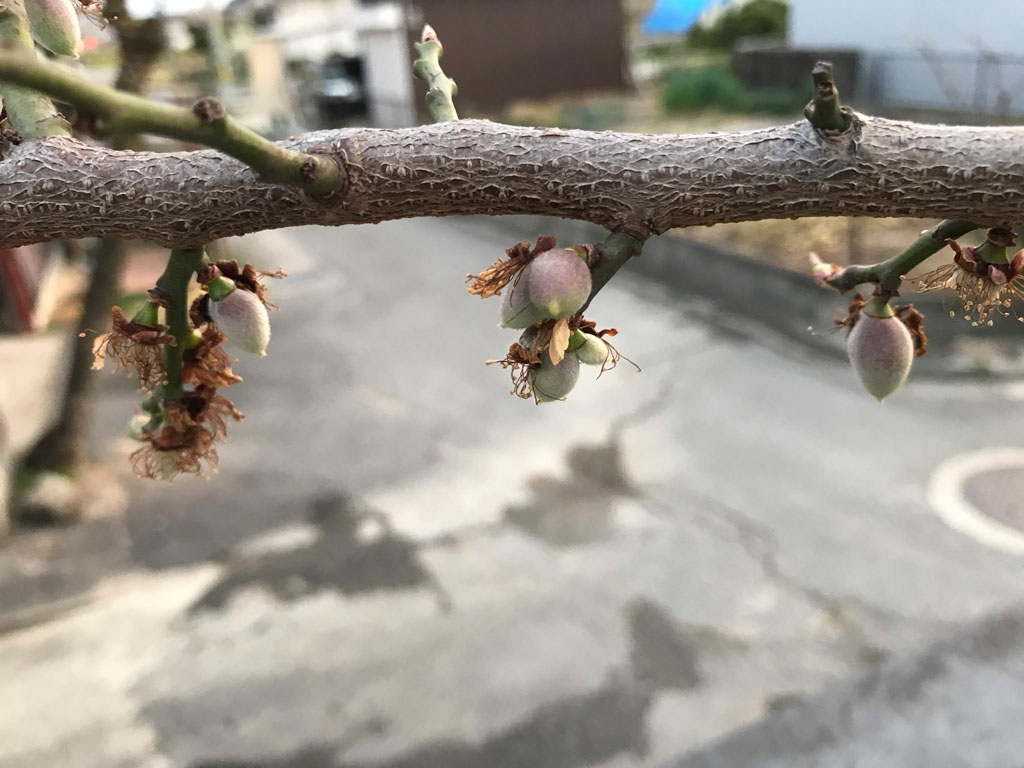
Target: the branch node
pixel 824 111
pixel 209 110
pixel 309 168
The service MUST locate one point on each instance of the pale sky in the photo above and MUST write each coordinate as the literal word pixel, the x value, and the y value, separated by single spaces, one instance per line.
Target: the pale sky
pixel 142 8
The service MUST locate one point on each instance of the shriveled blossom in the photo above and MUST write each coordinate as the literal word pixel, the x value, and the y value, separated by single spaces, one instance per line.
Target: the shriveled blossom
pixel 247 276
pixel 983 287
pixel 133 346
pixel 184 435
pixel 490 282
pixel 207 364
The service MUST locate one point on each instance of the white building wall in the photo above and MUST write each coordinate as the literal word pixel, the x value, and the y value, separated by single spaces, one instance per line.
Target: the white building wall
pixel 314 29
pixel 384 46
pixel 959 55
pixel 950 26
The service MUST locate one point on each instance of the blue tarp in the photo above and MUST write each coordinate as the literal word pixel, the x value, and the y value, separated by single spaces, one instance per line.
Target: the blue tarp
pixel 675 16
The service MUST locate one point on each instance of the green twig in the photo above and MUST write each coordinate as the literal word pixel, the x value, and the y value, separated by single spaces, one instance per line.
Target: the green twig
pixel 206 123
pixel 31 113
pixel 172 289
pixel 612 254
pixel 890 273
pixel 824 111
pixel 441 89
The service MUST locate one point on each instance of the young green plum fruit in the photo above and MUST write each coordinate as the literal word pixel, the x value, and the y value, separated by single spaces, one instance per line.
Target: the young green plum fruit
pixel 881 349
pixel 554 285
pixel 593 351
pixel 241 316
pixel 54 25
pixel 554 382
pixel 558 282
pixel 516 309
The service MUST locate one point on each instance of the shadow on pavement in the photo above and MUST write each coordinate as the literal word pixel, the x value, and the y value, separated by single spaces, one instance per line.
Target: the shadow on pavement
pixel 572 732
pixel 357 551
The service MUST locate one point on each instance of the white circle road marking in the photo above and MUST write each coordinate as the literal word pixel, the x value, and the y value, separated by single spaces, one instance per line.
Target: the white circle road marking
pixel 946 496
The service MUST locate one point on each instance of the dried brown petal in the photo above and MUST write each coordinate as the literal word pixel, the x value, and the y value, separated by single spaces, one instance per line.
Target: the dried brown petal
pixel 207 364
pixel 490 282
pixel 559 341
pixel 135 347
pixel 193 426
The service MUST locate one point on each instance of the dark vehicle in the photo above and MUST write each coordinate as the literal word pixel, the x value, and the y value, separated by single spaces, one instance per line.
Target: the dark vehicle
pixel 341 94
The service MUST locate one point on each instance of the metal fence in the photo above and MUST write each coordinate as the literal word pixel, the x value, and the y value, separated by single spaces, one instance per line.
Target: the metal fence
pixel 983 83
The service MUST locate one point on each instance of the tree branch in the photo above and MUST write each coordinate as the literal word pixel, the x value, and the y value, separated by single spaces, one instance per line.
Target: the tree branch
pixel 890 273
pixel 207 123
pixel 642 184
pixel 172 287
pixel 613 253
pixel 31 114
pixel 441 89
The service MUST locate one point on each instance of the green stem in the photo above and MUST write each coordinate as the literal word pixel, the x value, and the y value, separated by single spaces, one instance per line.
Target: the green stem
pixel 890 273
pixel 31 113
pixel 613 253
pixel 441 89
pixel 172 286
pixel 993 250
pixel 824 111
pixel 126 113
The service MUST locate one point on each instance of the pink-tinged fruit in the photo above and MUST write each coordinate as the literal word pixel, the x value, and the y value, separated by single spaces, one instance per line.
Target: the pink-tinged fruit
pixel 554 382
pixel 242 317
pixel 54 25
pixel 881 350
pixel 558 282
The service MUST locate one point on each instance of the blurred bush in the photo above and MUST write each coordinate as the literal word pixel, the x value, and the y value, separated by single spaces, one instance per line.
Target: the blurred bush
pixel 775 102
pixel 701 87
pixel 757 18
pixel 688 89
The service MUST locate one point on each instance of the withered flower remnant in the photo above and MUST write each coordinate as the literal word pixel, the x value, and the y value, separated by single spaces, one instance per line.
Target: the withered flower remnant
pixel 136 344
pixel 982 278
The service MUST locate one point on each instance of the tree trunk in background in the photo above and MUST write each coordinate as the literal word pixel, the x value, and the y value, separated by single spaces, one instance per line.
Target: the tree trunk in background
pixel 64 446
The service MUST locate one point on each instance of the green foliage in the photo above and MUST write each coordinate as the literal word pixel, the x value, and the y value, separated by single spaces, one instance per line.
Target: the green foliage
pixel 686 89
pixel 775 102
pixel 756 18
pixel 699 88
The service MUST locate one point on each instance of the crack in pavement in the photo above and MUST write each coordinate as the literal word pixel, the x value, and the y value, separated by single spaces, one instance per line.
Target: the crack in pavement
pixel 762 545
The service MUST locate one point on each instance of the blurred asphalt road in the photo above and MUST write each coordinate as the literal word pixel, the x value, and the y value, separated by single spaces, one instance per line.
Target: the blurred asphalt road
pixel 400 565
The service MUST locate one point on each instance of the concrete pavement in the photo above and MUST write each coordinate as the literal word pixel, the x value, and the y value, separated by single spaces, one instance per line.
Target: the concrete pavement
pixel 400 565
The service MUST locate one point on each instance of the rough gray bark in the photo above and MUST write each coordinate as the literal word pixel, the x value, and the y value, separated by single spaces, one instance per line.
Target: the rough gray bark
pixel 639 183
pixel 63 447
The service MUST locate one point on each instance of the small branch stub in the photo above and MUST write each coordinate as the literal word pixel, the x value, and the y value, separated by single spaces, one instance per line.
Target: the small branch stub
pixel 824 111
pixel 441 88
pixel 209 110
